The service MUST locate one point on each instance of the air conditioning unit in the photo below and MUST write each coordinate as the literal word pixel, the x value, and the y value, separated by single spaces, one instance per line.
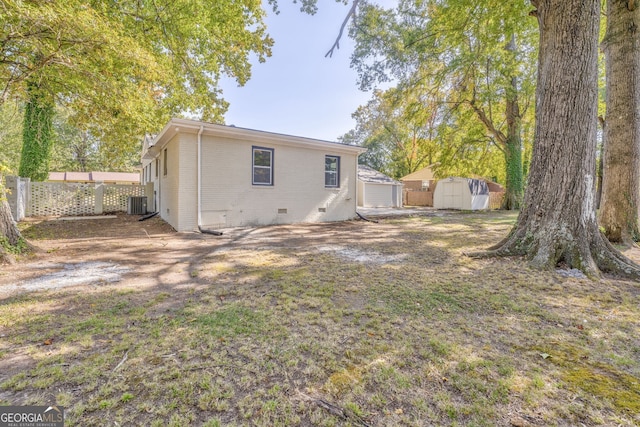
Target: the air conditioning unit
pixel 137 205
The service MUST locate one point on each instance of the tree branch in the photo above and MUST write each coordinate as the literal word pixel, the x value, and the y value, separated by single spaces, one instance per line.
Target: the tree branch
pixel 501 137
pixel 336 44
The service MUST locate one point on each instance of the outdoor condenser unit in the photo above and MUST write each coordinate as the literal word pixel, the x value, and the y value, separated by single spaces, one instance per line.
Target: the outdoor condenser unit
pixel 137 205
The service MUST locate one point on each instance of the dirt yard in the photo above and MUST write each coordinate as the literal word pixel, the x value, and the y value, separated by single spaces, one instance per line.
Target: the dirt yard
pixel 124 251
pixel 124 322
pixel 96 252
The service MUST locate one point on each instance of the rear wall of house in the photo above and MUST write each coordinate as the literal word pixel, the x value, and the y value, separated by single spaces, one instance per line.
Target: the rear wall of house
pixel 229 199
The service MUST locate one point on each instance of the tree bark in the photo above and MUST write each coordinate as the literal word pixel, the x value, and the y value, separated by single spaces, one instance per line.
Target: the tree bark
pixel 620 194
pixel 9 233
pixel 558 219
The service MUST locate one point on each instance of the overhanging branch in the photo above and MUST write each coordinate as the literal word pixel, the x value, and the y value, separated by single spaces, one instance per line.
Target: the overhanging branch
pixel 336 44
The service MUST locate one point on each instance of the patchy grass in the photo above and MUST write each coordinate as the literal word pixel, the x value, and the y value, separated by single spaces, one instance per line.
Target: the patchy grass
pixel 334 325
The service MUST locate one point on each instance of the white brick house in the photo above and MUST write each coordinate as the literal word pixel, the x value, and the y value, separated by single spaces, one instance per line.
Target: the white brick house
pixel 215 176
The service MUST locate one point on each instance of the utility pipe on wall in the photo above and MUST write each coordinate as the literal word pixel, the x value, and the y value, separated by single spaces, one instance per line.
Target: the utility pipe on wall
pixel 202 230
pixel 200 176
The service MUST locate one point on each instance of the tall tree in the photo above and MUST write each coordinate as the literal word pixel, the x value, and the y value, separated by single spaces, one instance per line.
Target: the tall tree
pixel 124 67
pixel 37 133
pixel 621 161
pixel 511 142
pixel 399 129
pixel 407 128
pixel 466 46
pixel 558 220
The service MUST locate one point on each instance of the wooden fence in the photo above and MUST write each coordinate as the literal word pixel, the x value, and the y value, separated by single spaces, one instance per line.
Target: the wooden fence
pixel 495 199
pixel 418 198
pixel 425 198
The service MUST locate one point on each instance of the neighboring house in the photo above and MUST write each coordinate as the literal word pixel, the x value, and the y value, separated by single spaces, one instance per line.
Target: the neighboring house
pixel 215 176
pixel 420 179
pixel 91 177
pixel 376 189
pixel 418 187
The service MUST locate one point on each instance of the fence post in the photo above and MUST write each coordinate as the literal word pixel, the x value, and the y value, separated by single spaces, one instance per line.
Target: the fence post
pixel 18 191
pixel 25 188
pixel 12 188
pixel 99 206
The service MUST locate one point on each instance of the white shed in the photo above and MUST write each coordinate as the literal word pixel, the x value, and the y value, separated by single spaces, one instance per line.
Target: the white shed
pixel 376 190
pixel 461 193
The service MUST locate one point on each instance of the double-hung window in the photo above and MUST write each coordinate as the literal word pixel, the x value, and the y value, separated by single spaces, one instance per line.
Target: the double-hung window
pixel 262 166
pixel 332 172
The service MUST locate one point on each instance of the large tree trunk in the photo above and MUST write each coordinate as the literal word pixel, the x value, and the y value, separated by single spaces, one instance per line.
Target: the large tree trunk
pixel 620 195
pixel 558 219
pixel 9 233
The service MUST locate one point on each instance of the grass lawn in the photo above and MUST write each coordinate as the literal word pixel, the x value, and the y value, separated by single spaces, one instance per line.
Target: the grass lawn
pixel 348 324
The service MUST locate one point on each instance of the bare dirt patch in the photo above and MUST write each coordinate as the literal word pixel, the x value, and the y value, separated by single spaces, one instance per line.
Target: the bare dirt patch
pixel 80 252
pixel 354 323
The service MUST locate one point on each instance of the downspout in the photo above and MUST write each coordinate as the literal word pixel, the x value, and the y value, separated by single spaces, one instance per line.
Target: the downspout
pixel 200 229
pixel 200 176
pixel 357 185
pixel 158 200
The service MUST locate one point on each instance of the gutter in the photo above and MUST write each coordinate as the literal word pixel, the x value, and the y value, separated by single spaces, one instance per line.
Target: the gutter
pixel 199 185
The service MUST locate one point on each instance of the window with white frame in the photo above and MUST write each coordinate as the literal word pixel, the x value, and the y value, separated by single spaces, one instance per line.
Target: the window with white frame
pixel 332 171
pixel 262 166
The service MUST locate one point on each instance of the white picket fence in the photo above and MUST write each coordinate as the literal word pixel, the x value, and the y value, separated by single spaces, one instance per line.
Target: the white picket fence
pixel 69 199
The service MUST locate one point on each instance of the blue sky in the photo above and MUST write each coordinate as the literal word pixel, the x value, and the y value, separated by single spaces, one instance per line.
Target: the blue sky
pixel 298 91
